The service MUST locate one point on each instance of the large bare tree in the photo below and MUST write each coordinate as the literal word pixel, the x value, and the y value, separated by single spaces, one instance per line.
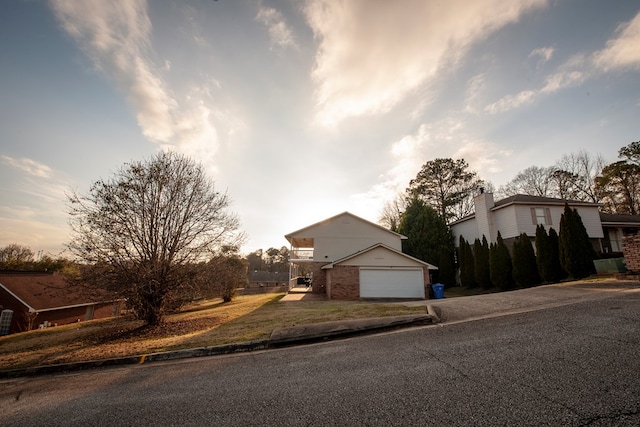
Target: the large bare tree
pixel 579 172
pixel 392 211
pixel 143 229
pixel 534 181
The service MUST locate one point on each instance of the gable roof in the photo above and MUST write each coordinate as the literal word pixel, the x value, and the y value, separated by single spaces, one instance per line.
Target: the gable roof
pixel 46 291
pixel 378 245
pixel 300 233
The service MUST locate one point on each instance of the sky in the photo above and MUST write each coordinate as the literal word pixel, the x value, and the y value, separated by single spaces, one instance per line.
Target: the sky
pixel 301 110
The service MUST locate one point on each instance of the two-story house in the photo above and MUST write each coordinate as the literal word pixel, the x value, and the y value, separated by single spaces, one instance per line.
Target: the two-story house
pixel 521 213
pixel 348 257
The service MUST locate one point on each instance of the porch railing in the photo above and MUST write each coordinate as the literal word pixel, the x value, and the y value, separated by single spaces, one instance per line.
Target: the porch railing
pixel 301 254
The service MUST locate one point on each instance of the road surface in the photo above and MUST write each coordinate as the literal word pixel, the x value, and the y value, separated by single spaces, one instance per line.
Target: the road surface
pixel 574 365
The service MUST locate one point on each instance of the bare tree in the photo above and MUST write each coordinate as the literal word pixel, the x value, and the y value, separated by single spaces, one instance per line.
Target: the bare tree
pixel 533 181
pixel 579 172
pixel 142 229
pixel 392 212
pixel 15 256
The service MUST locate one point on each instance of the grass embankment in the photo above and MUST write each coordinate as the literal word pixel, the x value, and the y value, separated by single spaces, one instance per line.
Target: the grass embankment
pixel 209 323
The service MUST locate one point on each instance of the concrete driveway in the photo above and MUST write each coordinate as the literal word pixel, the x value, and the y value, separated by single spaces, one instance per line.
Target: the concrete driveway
pixel 524 300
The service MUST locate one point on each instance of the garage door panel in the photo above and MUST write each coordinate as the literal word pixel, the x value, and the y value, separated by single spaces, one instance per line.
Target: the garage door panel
pixel 391 283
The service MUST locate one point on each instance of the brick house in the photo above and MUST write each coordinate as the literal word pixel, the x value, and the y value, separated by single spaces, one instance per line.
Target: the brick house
pixel 347 257
pixel 42 299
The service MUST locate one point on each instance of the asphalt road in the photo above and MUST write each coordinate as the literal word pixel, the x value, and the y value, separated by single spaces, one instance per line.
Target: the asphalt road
pixel 573 365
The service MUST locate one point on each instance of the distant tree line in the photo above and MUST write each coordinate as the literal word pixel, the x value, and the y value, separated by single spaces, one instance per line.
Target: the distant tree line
pixel 272 260
pixel 17 257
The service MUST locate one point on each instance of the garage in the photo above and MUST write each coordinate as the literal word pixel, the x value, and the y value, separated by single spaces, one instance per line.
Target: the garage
pixel 391 283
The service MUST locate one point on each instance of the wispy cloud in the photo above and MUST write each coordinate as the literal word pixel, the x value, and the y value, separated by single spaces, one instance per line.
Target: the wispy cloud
pixel 372 56
pixel 543 53
pixel 621 52
pixel 280 34
pixel 116 35
pixel 29 166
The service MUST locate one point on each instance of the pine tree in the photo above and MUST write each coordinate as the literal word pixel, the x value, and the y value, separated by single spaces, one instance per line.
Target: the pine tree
pixel 557 273
pixel 481 263
pixel 466 264
pixel 500 262
pixel 428 238
pixel 576 251
pixel 525 270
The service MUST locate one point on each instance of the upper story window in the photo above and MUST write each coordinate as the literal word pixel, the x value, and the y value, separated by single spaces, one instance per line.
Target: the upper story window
pixel 541 216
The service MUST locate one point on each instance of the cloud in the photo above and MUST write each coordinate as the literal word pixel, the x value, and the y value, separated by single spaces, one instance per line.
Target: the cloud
pixel 475 87
pixel 116 36
pixel 29 166
pixel 372 55
pixel 621 52
pixel 447 138
pixel 544 53
pixel 280 33
pixel 33 213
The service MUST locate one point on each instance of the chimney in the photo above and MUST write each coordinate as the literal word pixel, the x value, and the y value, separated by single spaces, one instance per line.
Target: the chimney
pixel 484 219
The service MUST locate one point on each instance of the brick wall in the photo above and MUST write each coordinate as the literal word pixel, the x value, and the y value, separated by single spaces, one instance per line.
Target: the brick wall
pixel 631 251
pixel 319 278
pixel 344 282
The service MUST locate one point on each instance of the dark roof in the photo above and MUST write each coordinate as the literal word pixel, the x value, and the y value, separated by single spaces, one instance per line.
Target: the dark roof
pixel 527 199
pixel 46 290
pixel 619 219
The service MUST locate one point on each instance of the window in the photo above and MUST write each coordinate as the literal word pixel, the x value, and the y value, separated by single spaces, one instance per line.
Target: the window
pixel 615 240
pixel 541 216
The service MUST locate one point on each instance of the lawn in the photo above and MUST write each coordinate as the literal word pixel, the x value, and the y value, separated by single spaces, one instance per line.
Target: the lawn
pixel 208 323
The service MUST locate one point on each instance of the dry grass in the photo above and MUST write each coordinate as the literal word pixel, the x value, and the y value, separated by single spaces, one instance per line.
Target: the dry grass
pixel 210 323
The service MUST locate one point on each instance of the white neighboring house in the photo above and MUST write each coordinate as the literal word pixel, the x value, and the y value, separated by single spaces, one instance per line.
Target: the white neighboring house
pixel 348 257
pixel 521 213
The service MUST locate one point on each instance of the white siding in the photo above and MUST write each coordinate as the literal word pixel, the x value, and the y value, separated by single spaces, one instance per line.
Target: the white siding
pixel 381 257
pixel 467 229
pixel 347 234
pixel 391 283
pixel 505 221
pixel 591 220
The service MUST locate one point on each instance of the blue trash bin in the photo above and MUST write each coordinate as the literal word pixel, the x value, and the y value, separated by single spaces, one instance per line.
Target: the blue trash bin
pixel 438 290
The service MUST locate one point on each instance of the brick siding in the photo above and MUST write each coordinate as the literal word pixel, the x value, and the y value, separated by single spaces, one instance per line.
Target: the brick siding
pixel 343 282
pixel 631 251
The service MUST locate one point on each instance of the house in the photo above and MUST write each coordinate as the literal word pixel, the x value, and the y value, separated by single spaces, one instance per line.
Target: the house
pixel 265 281
pixel 347 257
pixel 42 299
pixel 519 214
pixel 614 228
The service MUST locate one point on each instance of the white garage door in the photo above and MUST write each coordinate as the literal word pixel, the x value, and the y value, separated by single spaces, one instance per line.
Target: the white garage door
pixel 391 283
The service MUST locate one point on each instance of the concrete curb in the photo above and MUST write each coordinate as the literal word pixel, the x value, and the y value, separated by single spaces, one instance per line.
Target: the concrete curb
pixel 280 337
